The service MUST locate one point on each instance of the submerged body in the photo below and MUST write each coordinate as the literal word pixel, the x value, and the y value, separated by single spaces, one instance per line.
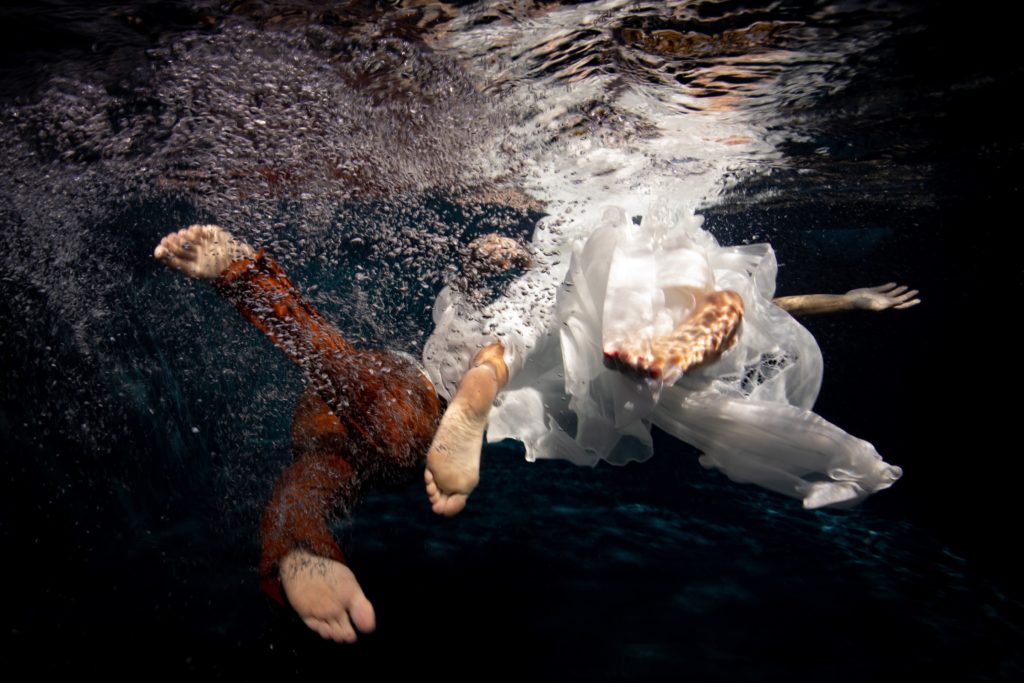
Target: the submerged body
pixel 649 333
pixel 627 290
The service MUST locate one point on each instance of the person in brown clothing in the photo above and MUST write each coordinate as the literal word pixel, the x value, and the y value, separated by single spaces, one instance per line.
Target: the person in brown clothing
pixel 366 418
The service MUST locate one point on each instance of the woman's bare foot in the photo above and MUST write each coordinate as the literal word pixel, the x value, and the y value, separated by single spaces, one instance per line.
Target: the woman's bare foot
pixel 453 461
pixel 699 340
pixel 492 253
pixel 326 595
pixel 201 251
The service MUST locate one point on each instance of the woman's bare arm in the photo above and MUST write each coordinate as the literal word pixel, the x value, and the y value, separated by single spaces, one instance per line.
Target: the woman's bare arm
pixel 867 299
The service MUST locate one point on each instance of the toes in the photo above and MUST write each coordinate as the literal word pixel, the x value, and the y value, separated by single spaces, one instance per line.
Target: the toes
pixel 170 259
pixel 450 505
pixel 200 232
pixel 175 246
pixel 321 627
pixel 433 493
pixel 179 243
pixel 341 630
pixel 345 628
pixel 338 630
pixel 362 614
pixel 445 504
pixel 655 369
pixel 631 360
pixel 611 359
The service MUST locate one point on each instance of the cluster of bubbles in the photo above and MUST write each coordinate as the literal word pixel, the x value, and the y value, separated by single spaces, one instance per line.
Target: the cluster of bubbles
pixel 352 152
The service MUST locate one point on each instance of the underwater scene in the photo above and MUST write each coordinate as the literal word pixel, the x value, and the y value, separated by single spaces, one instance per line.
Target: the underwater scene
pixel 655 515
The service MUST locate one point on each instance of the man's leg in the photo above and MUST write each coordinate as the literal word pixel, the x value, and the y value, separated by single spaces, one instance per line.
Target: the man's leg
pixel 367 417
pixel 299 558
pixel 326 596
pixel 201 251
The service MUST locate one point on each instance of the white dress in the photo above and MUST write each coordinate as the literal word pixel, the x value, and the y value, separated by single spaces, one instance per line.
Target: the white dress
pixel 749 412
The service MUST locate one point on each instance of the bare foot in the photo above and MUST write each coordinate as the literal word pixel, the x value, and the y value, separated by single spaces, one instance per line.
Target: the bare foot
pixel 492 253
pixel 453 461
pixel 327 597
pixel 201 251
pixel 699 340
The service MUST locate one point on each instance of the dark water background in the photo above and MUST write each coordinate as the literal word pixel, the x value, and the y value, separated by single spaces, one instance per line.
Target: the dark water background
pixel 133 485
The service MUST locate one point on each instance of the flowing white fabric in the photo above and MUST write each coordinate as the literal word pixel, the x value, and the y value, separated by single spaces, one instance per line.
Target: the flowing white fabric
pixel 749 412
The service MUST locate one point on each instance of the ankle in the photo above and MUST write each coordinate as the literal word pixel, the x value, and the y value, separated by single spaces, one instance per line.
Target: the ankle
pixel 492 357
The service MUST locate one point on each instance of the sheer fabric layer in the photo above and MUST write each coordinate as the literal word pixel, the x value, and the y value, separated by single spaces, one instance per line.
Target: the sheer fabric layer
pixel 749 412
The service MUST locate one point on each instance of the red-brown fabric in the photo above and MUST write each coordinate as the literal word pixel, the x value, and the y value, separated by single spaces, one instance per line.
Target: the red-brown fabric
pixel 366 418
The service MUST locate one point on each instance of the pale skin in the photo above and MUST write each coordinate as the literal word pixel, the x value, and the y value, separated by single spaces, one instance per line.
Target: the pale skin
pixel 323 592
pixel 326 596
pixel 453 461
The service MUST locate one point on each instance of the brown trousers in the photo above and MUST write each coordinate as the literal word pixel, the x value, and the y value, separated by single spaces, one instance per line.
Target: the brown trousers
pixel 367 417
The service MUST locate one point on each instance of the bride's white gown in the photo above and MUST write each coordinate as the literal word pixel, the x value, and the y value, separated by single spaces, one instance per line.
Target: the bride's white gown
pixel 749 412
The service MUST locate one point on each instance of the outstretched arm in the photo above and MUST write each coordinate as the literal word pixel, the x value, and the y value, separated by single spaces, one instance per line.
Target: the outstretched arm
pixel 867 299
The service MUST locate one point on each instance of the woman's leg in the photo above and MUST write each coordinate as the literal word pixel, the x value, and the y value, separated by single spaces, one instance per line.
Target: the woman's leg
pixel 699 340
pixel 453 461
